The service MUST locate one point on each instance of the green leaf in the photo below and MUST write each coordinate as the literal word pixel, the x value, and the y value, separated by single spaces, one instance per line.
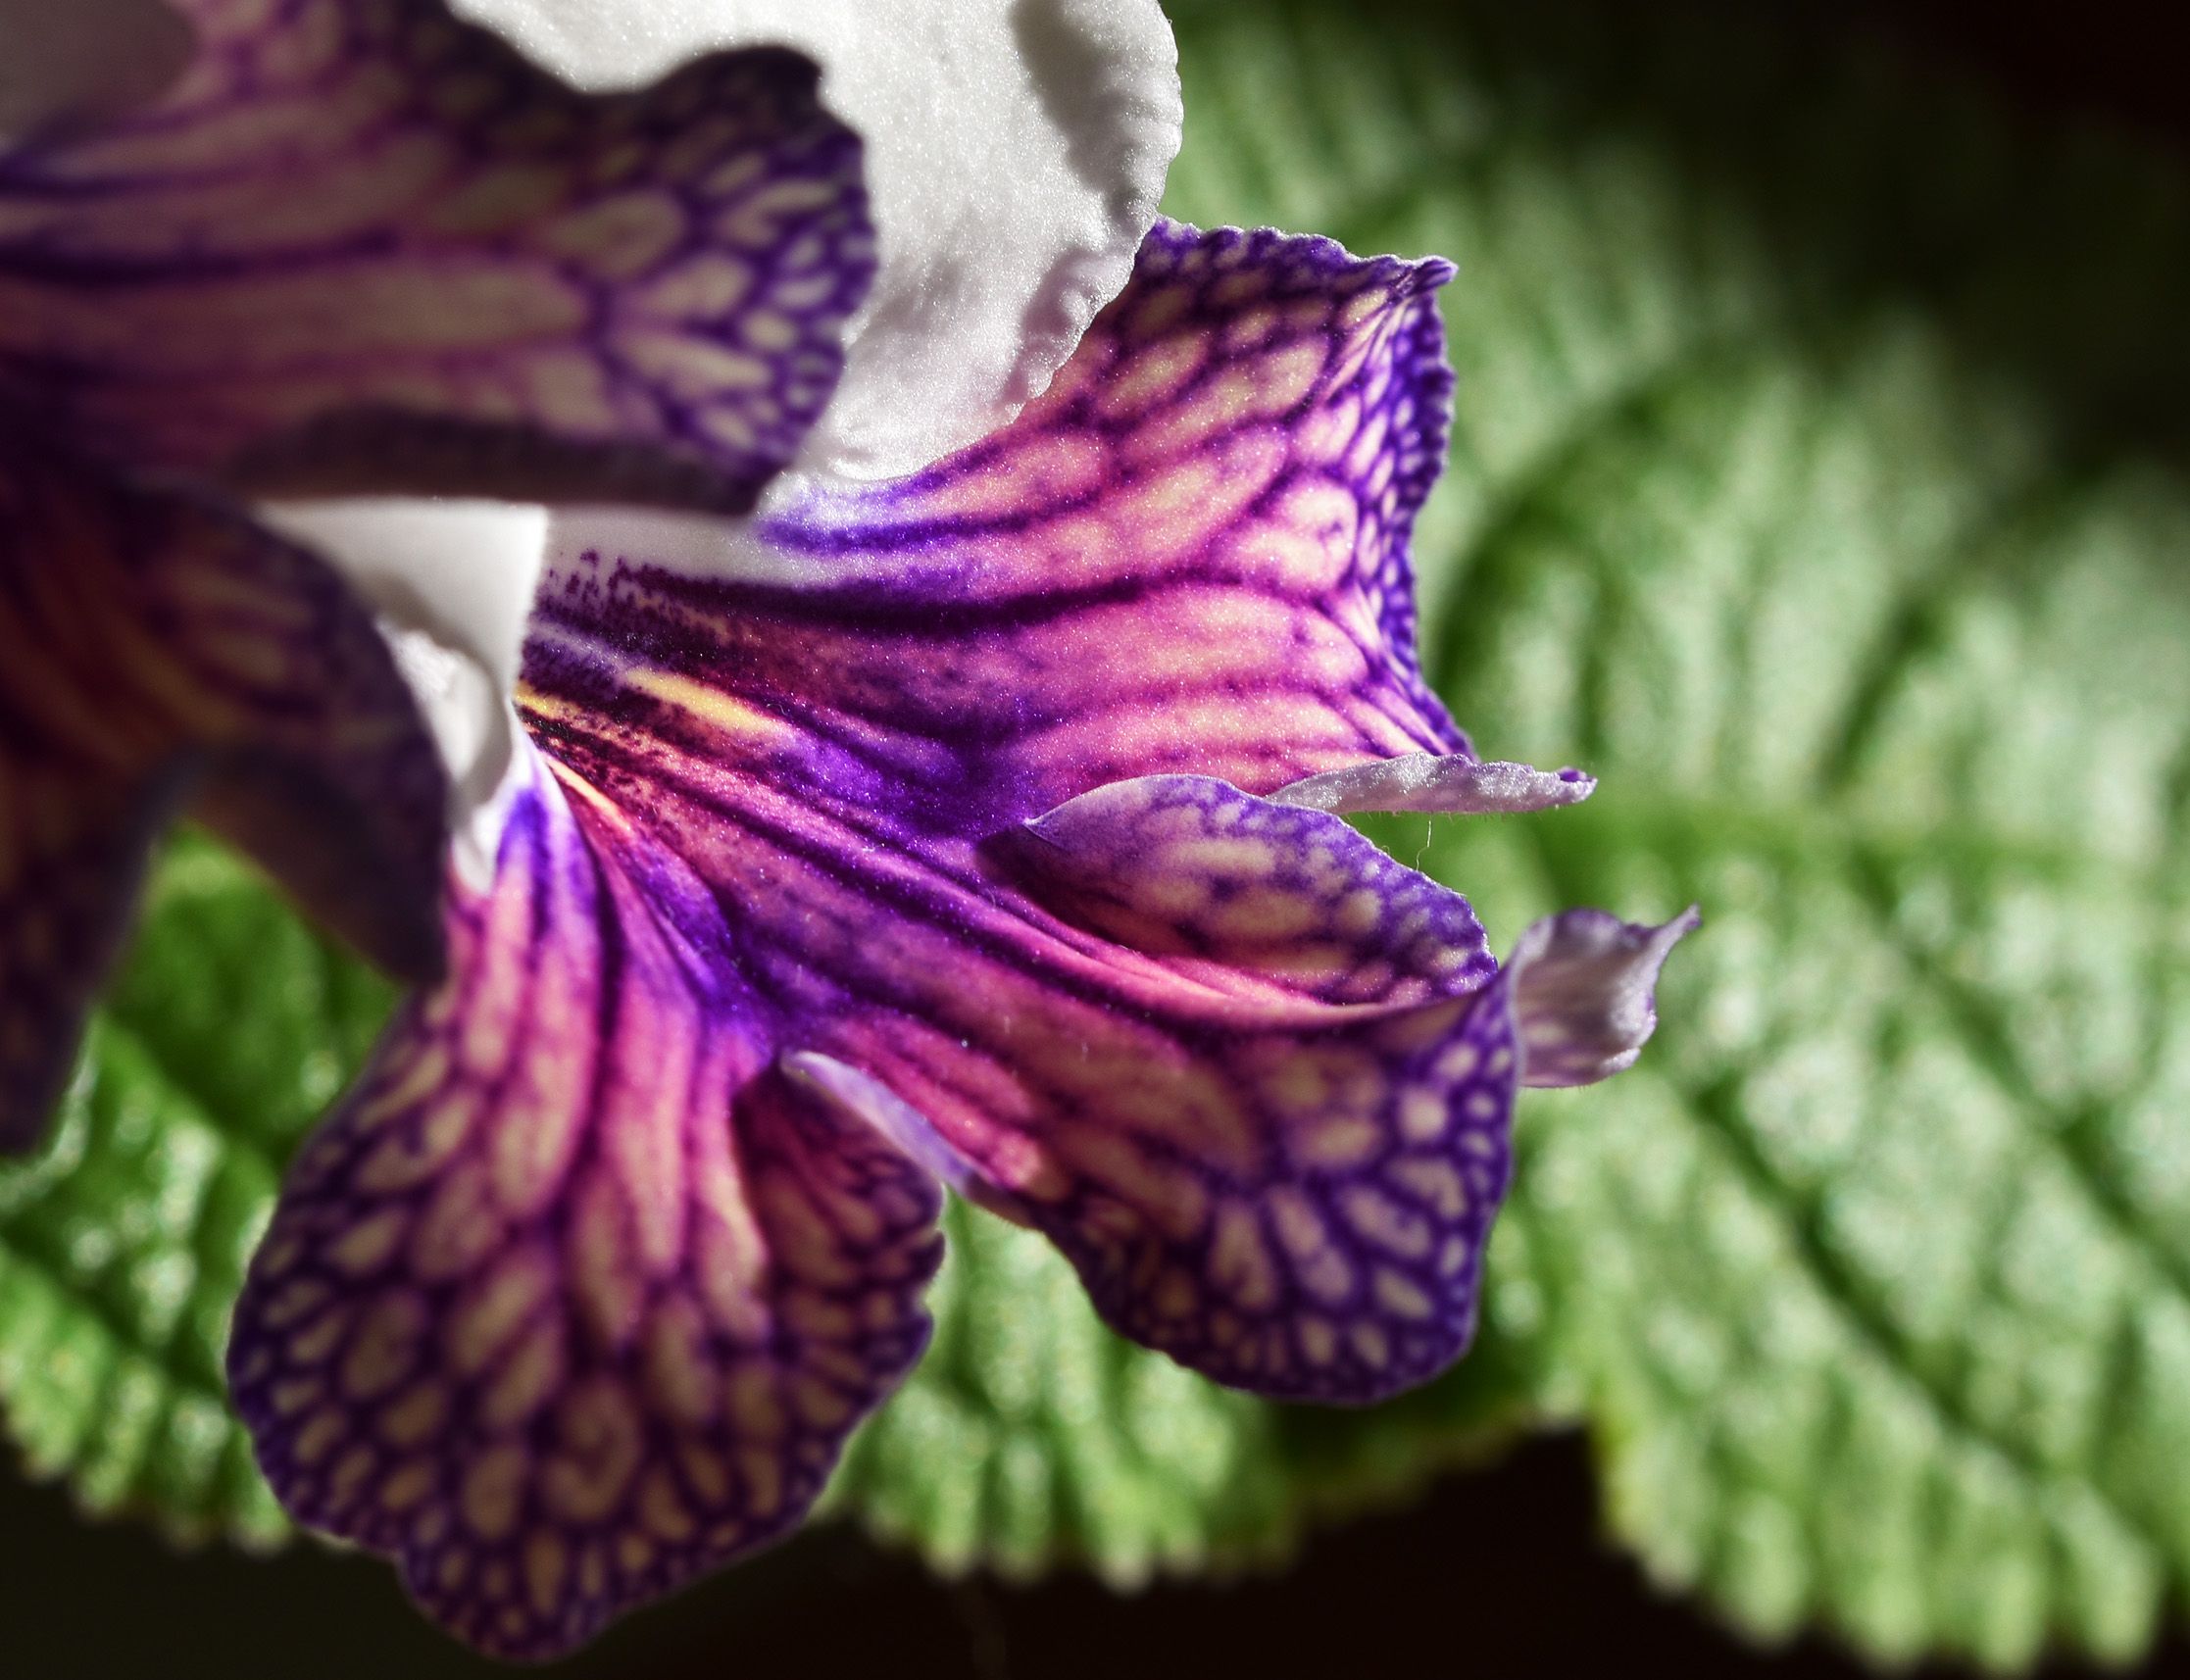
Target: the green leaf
pixel 122 1243
pixel 1030 1432
pixel 1031 1437
pixel 1817 482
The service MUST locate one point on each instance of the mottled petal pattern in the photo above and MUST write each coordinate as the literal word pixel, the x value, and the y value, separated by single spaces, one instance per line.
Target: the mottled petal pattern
pixel 1276 1155
pixel 968 762
pixel 1251 1075
pixel 1586 992
pixel 160 649
pixel 359 246
pixel 578 1293
pixel 1247 895
pixel 1189 554
pixel 978 828
pixel 1016 153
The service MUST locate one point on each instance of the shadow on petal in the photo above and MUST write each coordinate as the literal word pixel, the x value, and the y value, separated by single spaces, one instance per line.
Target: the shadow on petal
pixel 156 650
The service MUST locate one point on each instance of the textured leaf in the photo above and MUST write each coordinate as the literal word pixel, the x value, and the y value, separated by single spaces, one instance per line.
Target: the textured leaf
pixel 1030 1436
pixel 122 1243
pixel 1819 506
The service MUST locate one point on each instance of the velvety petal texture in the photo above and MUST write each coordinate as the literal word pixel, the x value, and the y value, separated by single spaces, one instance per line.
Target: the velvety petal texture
pixel 934 821
pixel 970 762
pixel 364 247
pixel 1288 1197
pixel 158 650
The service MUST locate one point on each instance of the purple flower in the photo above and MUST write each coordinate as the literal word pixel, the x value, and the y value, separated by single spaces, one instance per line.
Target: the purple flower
pixel 976 827
pixel 970 827
pixel 351 249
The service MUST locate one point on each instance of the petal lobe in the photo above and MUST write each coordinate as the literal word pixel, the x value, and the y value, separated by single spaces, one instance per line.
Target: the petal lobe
pixel 367 249
pixel 577 1296
pixel 158 652
pixel 1586 992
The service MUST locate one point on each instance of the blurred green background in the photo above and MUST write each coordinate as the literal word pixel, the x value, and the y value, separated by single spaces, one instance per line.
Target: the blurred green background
pixel 1820 481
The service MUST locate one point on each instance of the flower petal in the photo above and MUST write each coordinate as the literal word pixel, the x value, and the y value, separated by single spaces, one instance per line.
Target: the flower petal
pixel 453 582
pixel 1253 1076
pixel 366 248
pixel 1015 154
pixel 1190 555
pixel 1438 782
pixel 578 1293
pixel 1289 1198
pixel 1236 888
pixel 1586 992
pixel 68 878
pixel 921 743
pixel 157 648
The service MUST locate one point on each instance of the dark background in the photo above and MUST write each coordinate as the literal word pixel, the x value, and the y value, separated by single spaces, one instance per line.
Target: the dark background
pixel 1501 1572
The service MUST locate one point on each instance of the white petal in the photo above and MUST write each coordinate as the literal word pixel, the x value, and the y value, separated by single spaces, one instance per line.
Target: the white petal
pixel 1442 782
pixel 69 57
pixel 1015 150
pixel 1585 990
pixel 692 545
pixel 453 583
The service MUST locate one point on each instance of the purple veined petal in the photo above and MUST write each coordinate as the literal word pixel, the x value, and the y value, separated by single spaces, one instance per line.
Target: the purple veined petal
pixel 157 651
pixel 1188 556
pixel 873 1104
pixel 1449 783
pixel 1015 154
pixel 947 755
pixel 915 832
pixel 577 1294
pixel 1249 894
pixel 1586 992
pixel 1288 1190
pixel 1254 1077
pixel 366 248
